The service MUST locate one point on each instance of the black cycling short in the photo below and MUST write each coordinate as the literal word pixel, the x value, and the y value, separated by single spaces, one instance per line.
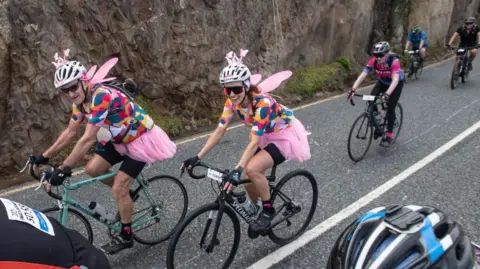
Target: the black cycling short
pixel 129 166
pixel 274 153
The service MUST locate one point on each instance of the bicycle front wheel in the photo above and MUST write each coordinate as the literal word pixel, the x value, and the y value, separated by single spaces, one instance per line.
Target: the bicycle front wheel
pixel 195 249
pixel 290 205
pixel 397 126
pixel 454 77
pixel 360 131
pixel 79 223
pixel 159 209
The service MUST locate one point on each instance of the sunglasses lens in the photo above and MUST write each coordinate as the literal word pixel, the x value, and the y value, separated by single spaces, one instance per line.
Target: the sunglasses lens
pixel 70 89
pixel 235 90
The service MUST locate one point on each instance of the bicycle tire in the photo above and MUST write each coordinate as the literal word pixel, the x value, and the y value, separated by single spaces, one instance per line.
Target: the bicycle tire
pixel 184 211
pixel 191 217
pixel 419 71
pixel 84 220
pixel 400 122
pixel 454 77
pixel 271 234
pixel 360 117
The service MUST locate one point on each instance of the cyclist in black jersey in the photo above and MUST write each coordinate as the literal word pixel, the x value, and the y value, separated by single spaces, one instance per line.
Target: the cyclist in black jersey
pixel 29 236
pixel 469 37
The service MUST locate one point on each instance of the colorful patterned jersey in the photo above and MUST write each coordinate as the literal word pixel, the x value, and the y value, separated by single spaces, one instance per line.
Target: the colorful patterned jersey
pixel 100 112
pixel 264 114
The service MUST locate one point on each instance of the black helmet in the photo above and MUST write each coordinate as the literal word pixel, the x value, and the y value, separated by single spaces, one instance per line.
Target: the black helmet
pixel 470 20
pixel 397 236
pixel 381 48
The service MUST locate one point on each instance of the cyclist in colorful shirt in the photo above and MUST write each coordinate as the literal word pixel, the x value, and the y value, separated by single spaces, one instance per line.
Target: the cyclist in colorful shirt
pixel 469 37
pixel 125 131
pixel 418 39
pixel 275 136
pixel 32 240
pixel 390 78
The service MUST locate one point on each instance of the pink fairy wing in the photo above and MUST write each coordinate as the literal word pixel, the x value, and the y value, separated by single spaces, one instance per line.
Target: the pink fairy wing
pixel 103 71
pixel 272 82
pixel 255 79
pixel 90 73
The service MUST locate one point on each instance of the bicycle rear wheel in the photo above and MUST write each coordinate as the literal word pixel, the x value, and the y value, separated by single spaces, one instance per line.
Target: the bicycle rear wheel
pixel 200 237
pixel 163 205
pixel 364 125
pixel 293 206
pixel 81 225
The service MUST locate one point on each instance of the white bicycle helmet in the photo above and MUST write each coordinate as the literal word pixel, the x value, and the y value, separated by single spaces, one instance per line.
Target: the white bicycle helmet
pixel 235 72
pixel 397 237
pixel 68 72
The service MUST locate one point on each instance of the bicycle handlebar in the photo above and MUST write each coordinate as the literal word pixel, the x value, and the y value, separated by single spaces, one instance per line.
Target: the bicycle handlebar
pixel 201 164
pixel 46 173
pixel 361 95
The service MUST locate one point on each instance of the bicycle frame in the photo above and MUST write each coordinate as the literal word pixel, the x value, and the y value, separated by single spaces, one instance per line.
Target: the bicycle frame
pixel 65 201
pixel 461 60
pixel 369 105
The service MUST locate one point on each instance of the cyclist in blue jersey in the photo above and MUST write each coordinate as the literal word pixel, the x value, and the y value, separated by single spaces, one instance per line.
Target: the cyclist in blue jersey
pixel 418 39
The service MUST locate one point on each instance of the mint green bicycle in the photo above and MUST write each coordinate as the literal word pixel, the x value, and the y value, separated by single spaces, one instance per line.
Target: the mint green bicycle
pixel 154 211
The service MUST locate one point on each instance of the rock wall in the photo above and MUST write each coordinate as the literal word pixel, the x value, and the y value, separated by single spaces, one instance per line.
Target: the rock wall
pixel 175 49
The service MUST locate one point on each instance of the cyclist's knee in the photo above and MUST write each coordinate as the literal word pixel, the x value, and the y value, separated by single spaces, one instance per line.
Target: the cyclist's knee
pixel 93 170
pixel 253 171
pixel 121 185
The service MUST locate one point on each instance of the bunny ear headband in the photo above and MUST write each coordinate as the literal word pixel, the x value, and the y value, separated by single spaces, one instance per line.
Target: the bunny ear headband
pixel 232 57
pixel 90 76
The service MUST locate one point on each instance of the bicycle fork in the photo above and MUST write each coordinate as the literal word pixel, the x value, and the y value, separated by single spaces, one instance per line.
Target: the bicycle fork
pixel 209 248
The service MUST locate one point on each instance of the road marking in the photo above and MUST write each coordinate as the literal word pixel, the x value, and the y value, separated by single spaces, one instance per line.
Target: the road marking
pixel 286 250
pixel 185 141
pixel 458 111
pixel 420 135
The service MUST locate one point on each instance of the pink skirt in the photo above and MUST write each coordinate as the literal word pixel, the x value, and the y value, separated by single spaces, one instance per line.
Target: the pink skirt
pixel 292 142
pixel 154 145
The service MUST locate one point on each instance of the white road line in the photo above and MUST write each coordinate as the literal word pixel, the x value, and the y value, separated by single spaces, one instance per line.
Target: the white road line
pixel 286 250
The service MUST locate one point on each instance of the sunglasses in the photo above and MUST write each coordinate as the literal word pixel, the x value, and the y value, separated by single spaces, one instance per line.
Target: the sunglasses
pixel 72 88
pixel 379 55
pixel 469 23
pixel 235 90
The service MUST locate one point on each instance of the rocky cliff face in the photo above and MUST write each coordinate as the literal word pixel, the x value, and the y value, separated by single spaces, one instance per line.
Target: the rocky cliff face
pixel 175 49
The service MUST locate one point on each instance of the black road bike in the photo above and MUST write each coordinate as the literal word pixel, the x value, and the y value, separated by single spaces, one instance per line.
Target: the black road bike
pixel 225 209
pixel 372 124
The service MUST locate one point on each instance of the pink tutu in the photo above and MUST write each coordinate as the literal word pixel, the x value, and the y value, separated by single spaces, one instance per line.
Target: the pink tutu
pixel 154 145
pixel 292 142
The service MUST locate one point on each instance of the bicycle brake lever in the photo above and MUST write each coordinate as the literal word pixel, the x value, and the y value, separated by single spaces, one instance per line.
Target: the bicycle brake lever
pixel 41 181
pixel 26 165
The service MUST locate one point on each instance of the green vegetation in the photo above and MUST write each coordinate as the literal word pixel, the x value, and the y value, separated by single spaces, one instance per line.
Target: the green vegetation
pixel 324 77
pixel 344 62
pixel 171 125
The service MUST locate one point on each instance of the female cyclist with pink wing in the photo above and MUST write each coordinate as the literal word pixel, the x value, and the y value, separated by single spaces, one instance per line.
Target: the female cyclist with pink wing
pixel 275 136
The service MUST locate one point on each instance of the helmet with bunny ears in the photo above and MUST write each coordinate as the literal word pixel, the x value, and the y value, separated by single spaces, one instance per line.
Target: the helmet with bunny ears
pixel 236 71
pixel 67 71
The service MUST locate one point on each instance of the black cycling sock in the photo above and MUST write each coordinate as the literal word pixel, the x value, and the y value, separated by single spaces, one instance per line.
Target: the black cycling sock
pixel 126 232
pixel 267 206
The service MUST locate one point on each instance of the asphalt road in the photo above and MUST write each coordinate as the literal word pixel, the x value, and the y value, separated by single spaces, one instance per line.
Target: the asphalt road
pixel 433 115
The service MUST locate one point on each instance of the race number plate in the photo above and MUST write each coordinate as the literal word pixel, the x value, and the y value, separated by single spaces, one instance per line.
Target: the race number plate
pixel 23 213
pixel 214 175
pixel 368 97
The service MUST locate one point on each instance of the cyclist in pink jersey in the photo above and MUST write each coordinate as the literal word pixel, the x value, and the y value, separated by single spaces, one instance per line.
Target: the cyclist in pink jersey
pixel 390 78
